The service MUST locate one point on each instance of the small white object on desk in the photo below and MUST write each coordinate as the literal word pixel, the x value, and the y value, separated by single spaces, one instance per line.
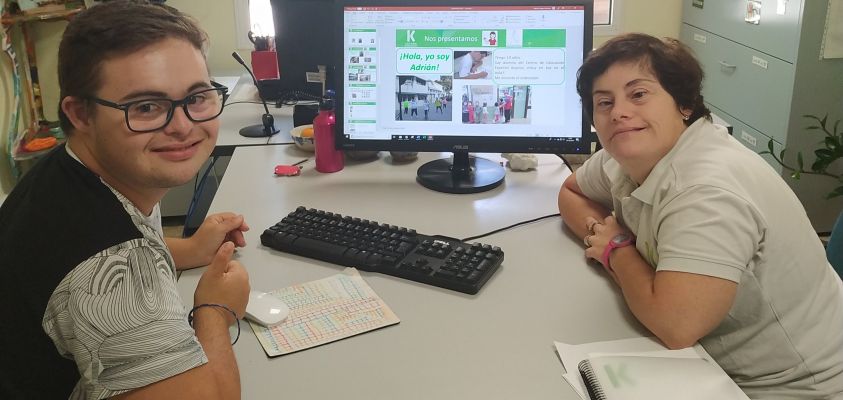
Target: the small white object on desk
pixel 266 309
pixel 521 162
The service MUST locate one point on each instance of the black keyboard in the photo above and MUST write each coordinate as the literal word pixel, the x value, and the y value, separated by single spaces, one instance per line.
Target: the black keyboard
pixel 371 246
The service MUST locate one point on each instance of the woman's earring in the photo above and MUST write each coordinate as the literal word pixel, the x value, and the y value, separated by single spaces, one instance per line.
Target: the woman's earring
pixel 685 117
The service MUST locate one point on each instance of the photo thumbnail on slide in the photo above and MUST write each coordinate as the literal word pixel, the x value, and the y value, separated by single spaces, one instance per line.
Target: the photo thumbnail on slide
pixel 473 65
pixel 423 98
pixel 496 104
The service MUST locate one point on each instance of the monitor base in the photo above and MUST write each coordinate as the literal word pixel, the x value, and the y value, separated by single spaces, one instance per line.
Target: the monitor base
pixel 257 131
pixel 463 174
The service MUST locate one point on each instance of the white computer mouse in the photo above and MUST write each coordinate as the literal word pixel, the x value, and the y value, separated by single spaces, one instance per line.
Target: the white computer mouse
pixel 266 309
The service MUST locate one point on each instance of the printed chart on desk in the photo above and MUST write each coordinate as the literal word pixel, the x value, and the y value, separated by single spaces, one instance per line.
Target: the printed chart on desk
pixel 324 311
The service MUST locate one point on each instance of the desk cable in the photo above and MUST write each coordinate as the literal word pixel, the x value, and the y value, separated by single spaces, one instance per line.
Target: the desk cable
pixel 293 97
pixel 470 238
pixel 567 164
pixel 243 102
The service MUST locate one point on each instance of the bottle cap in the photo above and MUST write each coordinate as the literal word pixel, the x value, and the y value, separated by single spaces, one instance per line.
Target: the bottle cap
pixel 326 103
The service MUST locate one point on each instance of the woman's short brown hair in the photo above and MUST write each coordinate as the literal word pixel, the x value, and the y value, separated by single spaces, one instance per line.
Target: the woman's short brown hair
pixel 111 29
pixel 673 64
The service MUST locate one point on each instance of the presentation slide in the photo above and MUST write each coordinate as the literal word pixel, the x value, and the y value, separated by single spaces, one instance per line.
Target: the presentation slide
pixel 430 71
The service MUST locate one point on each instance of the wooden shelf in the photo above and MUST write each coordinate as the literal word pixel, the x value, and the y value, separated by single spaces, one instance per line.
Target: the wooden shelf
pixel 46 16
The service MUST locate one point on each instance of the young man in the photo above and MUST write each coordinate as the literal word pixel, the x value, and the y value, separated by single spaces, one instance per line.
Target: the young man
pixel 89 295
pixel 470 66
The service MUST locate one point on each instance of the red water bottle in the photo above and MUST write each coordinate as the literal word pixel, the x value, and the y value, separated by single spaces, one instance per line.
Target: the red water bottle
pixel 328 158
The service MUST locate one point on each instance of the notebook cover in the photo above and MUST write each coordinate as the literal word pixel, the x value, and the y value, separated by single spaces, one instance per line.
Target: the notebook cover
pixel 641 377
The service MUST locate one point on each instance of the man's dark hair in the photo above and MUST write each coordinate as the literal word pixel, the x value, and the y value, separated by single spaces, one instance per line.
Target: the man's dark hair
pixel 113 29
pixel 669 60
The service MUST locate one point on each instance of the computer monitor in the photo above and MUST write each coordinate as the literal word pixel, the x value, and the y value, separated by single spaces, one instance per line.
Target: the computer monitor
pixel 304 35
pixel 462 76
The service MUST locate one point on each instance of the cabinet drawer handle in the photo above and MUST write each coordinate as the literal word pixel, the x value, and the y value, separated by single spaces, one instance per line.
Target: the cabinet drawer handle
pixel 726 65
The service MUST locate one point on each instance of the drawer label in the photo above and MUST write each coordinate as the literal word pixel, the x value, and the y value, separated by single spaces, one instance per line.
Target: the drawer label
pixel 747 137
pixel 759 62
pixel 699 38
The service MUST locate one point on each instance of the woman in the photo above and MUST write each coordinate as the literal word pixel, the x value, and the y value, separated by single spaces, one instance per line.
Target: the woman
pixel 466 111
pixel 482 117
pixel 497 112
pixel 705 241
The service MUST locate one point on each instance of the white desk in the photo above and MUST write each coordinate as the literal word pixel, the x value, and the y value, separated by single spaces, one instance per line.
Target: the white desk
pixel 493 345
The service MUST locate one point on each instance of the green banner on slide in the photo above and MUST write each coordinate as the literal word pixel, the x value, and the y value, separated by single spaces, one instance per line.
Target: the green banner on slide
pixel 450 38
pixel 543 38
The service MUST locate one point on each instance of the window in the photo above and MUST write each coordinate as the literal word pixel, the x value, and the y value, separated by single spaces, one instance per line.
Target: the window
pixel 602 12
pixel 255 16
pixel 605 21
pixel 260 16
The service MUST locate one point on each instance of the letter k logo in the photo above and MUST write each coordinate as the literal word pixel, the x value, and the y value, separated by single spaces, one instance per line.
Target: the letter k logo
pixel 411 36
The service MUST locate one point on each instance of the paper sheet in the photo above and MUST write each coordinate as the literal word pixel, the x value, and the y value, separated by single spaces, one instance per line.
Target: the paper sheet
pixel 324 311
pixel 228 81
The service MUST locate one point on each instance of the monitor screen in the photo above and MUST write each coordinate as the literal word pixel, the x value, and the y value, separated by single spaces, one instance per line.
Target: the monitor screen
pixel 303 33
pixel 463 76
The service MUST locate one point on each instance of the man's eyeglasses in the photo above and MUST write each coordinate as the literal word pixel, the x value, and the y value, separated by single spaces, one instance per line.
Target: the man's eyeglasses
pixel 147 115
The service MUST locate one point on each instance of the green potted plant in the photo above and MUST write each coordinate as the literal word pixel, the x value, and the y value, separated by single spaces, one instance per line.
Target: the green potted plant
pixel 829 151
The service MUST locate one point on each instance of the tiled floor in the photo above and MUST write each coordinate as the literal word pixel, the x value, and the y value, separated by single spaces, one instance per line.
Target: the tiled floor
pixel 173 226
pixel 173 231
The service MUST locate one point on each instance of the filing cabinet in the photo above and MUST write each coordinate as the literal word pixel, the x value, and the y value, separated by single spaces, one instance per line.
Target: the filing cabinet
pixel 762 78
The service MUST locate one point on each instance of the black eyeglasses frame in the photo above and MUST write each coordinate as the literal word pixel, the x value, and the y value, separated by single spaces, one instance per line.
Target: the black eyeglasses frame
pixel 173 104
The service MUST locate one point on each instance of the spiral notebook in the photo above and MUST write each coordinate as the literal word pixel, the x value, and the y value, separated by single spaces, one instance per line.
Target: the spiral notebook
pixel 612 377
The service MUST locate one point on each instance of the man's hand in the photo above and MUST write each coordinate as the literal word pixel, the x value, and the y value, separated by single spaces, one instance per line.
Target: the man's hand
pixel 217 229
pixel 200 248
pixel 225 282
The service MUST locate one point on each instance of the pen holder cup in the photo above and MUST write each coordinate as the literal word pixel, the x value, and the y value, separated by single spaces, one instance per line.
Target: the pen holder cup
pixel 265 64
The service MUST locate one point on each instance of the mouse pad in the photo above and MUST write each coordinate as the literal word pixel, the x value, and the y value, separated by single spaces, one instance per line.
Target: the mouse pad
pixel 324 311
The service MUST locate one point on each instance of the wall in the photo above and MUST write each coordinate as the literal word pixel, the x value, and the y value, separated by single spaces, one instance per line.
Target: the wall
pixel 659 18
pixel 217 18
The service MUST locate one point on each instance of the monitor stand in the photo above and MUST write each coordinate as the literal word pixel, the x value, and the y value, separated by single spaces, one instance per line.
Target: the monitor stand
pixel 463 174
